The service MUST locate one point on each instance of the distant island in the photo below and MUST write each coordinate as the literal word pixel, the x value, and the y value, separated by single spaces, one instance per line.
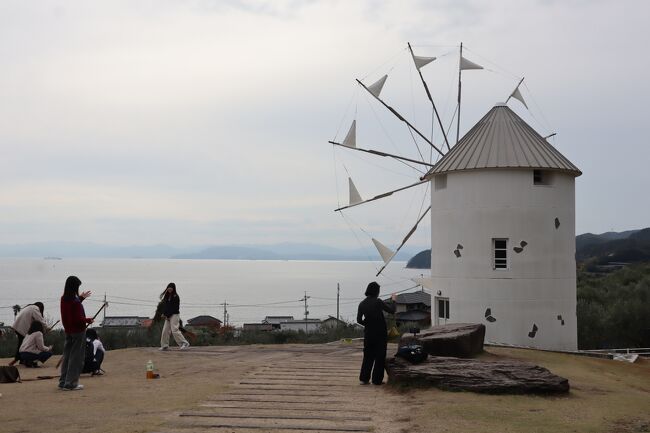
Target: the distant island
pixel 611 248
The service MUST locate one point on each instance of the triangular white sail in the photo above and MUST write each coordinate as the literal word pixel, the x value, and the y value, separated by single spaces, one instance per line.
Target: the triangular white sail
pixel 406 238
pixel 355 197
pixel 420 62
pixel 385 252
pixel 351 138
pixel 466 64
pixel 518 96
pixel 375 88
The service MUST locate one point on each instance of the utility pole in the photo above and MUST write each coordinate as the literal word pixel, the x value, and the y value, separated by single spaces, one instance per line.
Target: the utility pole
pixel 104 308
pixel 306 310
pixel 225 314
pixel 338 293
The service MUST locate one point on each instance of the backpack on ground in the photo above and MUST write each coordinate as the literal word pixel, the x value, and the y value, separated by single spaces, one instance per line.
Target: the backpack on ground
pixel 413 353
pixel 9 374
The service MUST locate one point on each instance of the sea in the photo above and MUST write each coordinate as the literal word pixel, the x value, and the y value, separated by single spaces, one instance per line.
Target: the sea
pixel 251 289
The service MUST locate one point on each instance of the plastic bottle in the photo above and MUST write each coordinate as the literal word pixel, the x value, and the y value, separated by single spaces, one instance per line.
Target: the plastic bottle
pixel 150 368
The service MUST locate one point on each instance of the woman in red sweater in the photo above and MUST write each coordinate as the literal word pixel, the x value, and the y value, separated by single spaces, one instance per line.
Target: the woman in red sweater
pixel 74 322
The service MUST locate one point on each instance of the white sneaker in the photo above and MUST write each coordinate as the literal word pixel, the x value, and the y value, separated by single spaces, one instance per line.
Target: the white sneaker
pixel 164 348
pixel 76 388
pixel 185 346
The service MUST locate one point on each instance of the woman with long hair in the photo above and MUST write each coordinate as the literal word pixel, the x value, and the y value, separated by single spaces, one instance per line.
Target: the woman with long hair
pixel 375 334
pixel 74 322
pixel 171 314
pixel 24 319
pixel 33 348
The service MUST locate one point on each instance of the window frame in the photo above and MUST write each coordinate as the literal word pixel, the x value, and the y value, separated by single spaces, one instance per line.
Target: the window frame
pixel 444 310
pixel 502 266
pixel 542 177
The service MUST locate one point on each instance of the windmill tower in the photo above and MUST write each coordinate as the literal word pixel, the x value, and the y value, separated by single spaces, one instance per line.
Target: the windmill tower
pixel 503 235
pixel 502 224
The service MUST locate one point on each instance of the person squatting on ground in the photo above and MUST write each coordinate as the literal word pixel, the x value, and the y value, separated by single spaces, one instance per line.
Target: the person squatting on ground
pixel 74 322
pixel 94 354
pixel 28 315
pixel 171 314
pixel 375 334
pixel 33 348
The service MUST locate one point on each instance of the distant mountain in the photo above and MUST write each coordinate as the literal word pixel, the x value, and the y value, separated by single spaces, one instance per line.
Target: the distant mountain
pixel 280 251
pixel 588 239
pixel 289 251
pixel 630 246
pixel 89 250
pixel 627 247
pixel 231 253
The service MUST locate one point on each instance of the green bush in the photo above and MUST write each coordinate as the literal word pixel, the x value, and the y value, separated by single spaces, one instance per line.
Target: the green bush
pixel 150 337
pixel 614 309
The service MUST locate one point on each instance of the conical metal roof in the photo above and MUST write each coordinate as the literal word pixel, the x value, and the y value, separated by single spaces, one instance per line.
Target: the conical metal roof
pixel 501 139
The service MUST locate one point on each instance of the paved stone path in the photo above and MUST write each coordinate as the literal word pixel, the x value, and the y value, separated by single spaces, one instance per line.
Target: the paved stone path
pixel 309 388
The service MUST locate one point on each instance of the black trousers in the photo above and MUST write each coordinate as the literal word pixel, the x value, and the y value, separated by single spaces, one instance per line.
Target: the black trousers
pixel 20 342
pixel 374 360
pixel 93 364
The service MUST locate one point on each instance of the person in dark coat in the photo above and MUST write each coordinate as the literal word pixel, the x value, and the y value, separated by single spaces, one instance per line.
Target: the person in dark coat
pixel 74 322
pixel 171 314
pixel 375 334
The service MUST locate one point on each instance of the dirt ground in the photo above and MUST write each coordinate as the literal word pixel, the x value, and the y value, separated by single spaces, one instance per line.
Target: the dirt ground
pixel 289 388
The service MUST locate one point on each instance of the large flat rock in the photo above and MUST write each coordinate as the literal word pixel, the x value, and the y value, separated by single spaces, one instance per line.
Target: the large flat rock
pixel 461 340
pixel 493 377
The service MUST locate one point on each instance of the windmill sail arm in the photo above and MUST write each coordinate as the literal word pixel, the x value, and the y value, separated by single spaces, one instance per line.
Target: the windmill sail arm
pixel 379 153
pixel 426 88
pixel 377 197
pixel 406 238
pixel 400 117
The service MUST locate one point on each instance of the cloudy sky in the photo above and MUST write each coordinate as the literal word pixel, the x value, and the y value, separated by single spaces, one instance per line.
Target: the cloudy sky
pixel 206 122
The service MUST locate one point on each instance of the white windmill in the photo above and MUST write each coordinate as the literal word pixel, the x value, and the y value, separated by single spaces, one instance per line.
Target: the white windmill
pixel 502 223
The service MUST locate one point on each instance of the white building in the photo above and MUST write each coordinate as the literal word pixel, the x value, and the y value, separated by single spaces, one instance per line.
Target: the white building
pixel 309 325
pixel 275 321
pixel 503 235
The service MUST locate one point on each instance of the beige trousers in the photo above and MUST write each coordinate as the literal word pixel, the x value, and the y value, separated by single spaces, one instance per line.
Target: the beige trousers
pixel 171 327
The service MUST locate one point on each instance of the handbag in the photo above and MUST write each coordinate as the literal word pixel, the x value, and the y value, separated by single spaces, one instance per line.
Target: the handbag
pixel 9 374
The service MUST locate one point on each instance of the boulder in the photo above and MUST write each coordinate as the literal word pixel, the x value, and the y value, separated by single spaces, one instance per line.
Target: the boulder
pixel 492 377
pixel 461 340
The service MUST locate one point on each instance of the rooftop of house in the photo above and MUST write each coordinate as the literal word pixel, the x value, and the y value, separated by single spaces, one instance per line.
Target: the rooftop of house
pixel 277 319
pixel 303 321
pixel 414 298
pixel 332 318
pixel 203 320
pixel 125 321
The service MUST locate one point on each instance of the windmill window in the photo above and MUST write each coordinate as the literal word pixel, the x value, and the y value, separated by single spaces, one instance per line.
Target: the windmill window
pixel 500 253
pixel 542 177
pixel 440 182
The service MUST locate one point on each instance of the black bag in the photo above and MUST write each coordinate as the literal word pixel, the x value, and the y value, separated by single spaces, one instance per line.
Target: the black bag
pixel 9 374
pixel 413 353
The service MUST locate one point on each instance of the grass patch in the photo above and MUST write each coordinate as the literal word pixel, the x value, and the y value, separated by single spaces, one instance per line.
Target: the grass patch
pixel 606 396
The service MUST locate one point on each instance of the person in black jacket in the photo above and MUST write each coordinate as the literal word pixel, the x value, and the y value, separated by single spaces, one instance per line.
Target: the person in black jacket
pixel 375 334
pixel 171 314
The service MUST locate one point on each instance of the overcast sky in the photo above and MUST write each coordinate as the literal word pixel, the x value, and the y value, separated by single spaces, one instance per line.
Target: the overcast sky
pixel 206 122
